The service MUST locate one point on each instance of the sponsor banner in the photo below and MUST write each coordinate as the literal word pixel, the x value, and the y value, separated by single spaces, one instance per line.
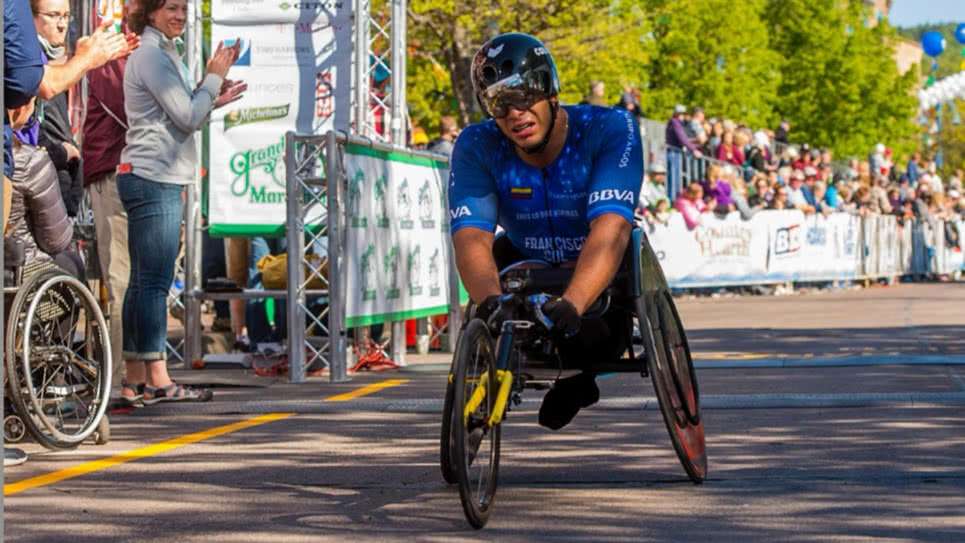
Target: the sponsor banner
pixel 829 249
pixel 251 12
pixel 888 245
pixel 397 239
pixel 772 246
pixel 718 251
pixel 297 78
pixel 276 45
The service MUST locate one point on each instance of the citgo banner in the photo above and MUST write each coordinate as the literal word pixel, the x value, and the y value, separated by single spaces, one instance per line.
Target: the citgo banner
pixel 296 59
pixel 396 253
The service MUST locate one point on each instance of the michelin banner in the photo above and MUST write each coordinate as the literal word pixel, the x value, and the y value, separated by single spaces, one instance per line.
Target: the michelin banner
pixel 298 70
pixel 396 256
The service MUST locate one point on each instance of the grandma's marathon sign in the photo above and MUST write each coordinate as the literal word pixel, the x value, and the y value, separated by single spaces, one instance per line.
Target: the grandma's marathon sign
pixel 396 239
pixel 296 59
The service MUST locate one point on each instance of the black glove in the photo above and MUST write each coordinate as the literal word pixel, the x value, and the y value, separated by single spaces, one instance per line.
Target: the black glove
pixel 563 315
pixel 494 313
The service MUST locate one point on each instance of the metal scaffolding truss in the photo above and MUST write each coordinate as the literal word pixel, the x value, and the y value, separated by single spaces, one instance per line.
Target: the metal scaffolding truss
pixel 380 58
pixel 315 331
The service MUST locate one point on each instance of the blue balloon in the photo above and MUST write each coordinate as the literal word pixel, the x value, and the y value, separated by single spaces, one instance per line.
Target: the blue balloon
pixel 933 43
pixel 960 33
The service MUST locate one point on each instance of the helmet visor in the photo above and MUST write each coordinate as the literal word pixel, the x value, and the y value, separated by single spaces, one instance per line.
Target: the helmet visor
pixel 512 92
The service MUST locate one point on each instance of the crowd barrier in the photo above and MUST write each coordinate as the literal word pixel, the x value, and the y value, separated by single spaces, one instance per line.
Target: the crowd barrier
pixel 789 246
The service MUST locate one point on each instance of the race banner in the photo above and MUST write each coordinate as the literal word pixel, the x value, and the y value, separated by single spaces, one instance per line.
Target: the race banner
pixel 829 249
pixel 298 71
pixel 252 12
pixel 396 254
pixel 785 235
pixel 719 250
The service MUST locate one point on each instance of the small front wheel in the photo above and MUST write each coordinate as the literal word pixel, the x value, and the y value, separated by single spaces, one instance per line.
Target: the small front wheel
pixel 474 436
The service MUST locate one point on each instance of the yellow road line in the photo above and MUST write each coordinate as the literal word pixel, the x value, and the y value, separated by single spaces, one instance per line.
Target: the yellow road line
pixel 366 390
pixel 143 452
pixel 177 442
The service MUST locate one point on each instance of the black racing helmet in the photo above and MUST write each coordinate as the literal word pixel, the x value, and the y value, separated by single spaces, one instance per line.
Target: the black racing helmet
pixel 514 69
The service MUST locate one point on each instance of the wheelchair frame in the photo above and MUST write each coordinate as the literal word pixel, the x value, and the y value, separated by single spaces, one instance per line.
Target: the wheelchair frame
pixel 643 289
pixel 58 392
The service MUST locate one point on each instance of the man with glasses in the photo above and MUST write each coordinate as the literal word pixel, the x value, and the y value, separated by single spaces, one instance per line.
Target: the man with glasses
pixel 562 181
pixel 51 19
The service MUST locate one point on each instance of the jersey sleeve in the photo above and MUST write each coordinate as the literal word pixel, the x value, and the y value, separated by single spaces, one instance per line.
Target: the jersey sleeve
pixel 617 167
pixel 473 197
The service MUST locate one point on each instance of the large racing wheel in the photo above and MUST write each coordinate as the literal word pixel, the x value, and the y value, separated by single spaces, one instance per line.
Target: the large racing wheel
pixel 671 367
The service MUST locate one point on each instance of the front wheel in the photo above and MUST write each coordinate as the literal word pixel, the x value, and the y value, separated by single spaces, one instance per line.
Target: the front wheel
pixel 674 381
pixel 445 439
pixel 475 442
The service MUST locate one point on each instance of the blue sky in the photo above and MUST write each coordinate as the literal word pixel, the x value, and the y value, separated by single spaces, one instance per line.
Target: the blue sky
pixel 913 12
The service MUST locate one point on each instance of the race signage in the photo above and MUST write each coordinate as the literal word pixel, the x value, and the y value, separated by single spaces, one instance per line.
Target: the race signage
pixel 298 70
pixel 396 255
pixel 719 249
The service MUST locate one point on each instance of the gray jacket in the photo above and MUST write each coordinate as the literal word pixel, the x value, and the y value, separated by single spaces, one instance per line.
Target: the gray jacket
pixel 38 218
pixel 163 112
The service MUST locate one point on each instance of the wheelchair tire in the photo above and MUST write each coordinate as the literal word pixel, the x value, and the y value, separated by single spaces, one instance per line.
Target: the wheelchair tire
pixel 445 439
pixel 58 385
pixel 674 381
pixel 476 465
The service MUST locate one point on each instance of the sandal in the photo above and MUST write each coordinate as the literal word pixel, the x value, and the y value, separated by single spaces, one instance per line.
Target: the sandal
pixel 131 401
pixel 176 393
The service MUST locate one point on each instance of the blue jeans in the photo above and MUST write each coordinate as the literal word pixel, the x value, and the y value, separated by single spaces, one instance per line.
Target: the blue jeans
pixel 154 214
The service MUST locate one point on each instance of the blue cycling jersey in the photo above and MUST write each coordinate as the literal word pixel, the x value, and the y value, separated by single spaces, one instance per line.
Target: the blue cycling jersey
pixel 546 212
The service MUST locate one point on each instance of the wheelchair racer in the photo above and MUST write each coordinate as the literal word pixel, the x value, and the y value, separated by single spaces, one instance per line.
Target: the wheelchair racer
pixel 562 181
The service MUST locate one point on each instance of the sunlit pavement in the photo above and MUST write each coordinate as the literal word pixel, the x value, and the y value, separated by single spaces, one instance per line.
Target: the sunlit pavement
pixel 871 447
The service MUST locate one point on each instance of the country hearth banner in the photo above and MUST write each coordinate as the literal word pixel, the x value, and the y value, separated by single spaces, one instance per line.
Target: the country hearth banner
pixel 296 58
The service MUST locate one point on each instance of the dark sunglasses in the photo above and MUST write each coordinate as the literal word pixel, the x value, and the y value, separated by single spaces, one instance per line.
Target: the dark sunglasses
pixel 508 94
pixel 522 99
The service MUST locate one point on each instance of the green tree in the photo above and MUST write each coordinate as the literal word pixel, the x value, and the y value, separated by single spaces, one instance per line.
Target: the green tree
pixel 840 86
pixel 715 54
pixel 590 40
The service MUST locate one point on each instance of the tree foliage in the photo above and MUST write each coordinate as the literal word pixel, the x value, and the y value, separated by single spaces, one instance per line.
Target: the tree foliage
pixel 840 86
pixel 813 62
pixel 712 53
pixel 590 39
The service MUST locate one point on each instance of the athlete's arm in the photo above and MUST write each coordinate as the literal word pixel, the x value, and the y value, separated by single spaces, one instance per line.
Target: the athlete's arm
pixel 473 213
pixel 475 262
pixel 614 188
pixel 599 260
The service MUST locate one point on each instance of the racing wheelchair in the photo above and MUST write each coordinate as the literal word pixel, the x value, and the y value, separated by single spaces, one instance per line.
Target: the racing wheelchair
pixel 488 376
pixel 57 360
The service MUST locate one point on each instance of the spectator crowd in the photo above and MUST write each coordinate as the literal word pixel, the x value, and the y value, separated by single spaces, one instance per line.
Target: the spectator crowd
pixel 748 171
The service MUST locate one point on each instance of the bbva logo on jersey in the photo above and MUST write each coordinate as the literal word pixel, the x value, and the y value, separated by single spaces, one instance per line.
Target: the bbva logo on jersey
pixel 461 211
pixel 611 194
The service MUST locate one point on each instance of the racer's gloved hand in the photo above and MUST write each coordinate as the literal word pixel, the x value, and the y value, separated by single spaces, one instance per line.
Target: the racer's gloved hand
pixel 563 315
pixel 493 313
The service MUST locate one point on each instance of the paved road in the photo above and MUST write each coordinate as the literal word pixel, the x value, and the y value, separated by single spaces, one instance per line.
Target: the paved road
pixel 869 448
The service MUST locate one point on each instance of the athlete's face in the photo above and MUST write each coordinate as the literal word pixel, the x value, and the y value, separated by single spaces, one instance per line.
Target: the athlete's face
pixel 527 127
